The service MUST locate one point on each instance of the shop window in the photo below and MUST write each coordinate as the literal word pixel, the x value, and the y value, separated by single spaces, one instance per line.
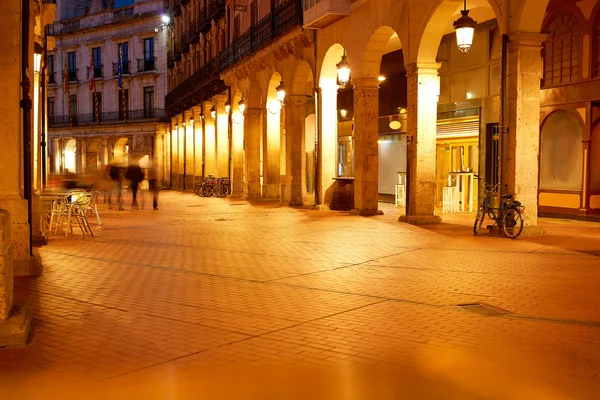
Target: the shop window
pixel 561 152
pixel 562 50
pixel 595 159
pixel 596 55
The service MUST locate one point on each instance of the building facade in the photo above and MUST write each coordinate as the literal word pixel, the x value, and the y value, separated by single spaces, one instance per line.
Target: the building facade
pixel 107 81
pixel 415 104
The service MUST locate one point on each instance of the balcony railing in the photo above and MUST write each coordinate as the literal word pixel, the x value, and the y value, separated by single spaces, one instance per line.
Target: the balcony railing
pixel 204 23
pixel 125 69
pixel 51 78
pixel 123 13
pixel 185 43
pixel 106 117
pixel 193 36
pixel 97 71
pixel 146 64
pixel 72 75
pixel 49 30
pixel 71 26
pixel 177 8
pixel 216 9
pixel 170 59
pixel 287 15
pixel 49 1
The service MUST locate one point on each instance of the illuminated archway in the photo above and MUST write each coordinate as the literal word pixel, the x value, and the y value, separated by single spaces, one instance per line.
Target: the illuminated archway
pixel 272 140
pixel 70 154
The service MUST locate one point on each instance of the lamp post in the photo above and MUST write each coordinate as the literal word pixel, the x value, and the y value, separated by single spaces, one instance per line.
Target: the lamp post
pixel 343 71
pixel 465 28
pixel 280 92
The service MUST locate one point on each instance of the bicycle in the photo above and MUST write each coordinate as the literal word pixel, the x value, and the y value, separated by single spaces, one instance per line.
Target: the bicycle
pixel 201 188
pixel 510 213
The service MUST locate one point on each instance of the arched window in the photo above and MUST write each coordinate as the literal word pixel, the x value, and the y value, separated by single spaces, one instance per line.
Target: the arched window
pixel 561 152
pixel 562 50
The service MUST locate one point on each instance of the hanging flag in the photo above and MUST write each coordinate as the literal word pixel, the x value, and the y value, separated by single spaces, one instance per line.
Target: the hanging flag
pixel 120 67
pixel 93 76
pixel 66 78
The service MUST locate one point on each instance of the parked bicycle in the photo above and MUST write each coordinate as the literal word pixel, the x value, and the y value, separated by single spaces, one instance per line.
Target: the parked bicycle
pixel 510 213
pixel 211 186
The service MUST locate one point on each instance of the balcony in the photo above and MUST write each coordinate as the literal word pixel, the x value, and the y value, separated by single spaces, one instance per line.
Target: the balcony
pixel 146 64
pixel 70 26
pixel 107 117
pixel 177 8
pixel 72 75
pixel 49 30
pixel 170 59
pixel 51 78
pixel 199 87
pixel 97 71
pixel 193 36
pixel 49 1
pixel 185 43
pixel 321 13
pixel 284 17
pixel 216 9
pixel 204 23
pixel 125 69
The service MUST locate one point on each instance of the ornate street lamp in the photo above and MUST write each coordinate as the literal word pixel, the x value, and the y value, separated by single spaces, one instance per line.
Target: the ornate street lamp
pixel 213 112
pixel 242 106
pixel 343 71
pixel 37 63
pixel 280 92
pixel 465 28
pixel 227 107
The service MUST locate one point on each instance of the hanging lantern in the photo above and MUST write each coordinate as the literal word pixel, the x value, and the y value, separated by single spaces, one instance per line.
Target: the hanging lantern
pixel 227 107
pixel 465 28
pixel 242 106
pixel 213 112
pixel 280 92
pixel 343 71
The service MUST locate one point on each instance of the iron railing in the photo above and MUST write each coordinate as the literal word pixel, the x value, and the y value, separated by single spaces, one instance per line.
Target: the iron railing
pixel 72 75
pixel 170 59
pixel 216 9
pixel 51 78
pixel 49 30
pixel 112 116
pixel 185 43
pixel 146 64
pixel 70 26
pixel 207 72
pixel 49 1
pixel 204 23
pixel 125 70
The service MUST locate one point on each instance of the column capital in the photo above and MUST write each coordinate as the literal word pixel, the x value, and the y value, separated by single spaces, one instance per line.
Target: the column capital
pixel 178 118
pixel 196 112
pixel 423 68
pixel 187 114
pixel 365 82
pixel 220 98
pixel 524 40
pixel 206 106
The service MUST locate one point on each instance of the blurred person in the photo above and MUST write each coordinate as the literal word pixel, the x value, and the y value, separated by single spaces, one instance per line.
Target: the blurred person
pixel 134 175
pixel 154 186
pixel 116 175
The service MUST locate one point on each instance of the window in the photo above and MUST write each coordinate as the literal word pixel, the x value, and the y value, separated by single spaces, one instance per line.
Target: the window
pixel 561 152
pixel 51 110
pixel 596 50
pixel 97 56
pixel 254 12
pixel 562 50
pixel 51 78
pixel 124 55
pixel 123 102
pixel 96 106
pixel 72 65
pixel 73 112
pixel 148 101
pixel 148 55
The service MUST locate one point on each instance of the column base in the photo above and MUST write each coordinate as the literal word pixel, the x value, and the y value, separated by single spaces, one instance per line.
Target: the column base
pixel 31 266
pixel 14 332
pixel 321 207
pixel 365 213
pixel 420 219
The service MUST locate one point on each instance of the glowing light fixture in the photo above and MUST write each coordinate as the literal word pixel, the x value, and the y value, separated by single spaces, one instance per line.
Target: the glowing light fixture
pixel 227 107
pixel 192 120
pixel 395 125
pixel 176 126
pixel 213 112
pixel 242 106
pixel 381 78
pixel 402 110
pixel 37 62
pixel 280 92
pixel 343 71
pixel 469 95
pixel 465 28
pixel 343 113
pixel 165 19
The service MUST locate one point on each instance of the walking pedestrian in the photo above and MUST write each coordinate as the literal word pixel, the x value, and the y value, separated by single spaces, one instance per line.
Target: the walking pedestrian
pixel 154 186
pixel 134 175
pixel 116 174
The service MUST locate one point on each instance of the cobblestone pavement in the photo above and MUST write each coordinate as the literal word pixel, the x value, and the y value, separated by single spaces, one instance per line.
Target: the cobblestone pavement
pixel 217 298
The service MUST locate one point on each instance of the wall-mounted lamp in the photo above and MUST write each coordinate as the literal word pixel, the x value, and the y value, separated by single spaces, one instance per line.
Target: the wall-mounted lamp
pixel 465 28
pixel 192 120
pixel 176 127
pixel 213 112
pixel 280 92
pixel 401 110
pixel 242 106
pixel 37 63
pixel 343 113
pixel 273 106
pixel 381 78
pixel 343 71
pixel 227 107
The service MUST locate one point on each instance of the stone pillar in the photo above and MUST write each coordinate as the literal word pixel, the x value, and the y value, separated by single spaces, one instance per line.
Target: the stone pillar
pixel 237 154
pixel 175 153
pixel 252 131
pixel 521 142
pixel 327 143
pixel 198 140
pixel 271 149
pixel 222 145
pixel 295 107
pixel 189 148
pixel 210 150
pixel 366 134
pixel 423 92
pixel 79 156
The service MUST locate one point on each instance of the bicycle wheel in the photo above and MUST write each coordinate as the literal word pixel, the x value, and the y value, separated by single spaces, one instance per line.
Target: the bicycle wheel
pixel 198 190
pixel 512 223
pixel 479 220
pixel 207 190
pixel 224 190
pixel 218 192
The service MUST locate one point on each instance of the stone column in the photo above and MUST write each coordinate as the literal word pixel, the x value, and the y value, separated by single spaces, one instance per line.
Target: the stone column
pixel 210 155
pixel 189 150
pixel 295 107
pixel 521 142
pixel 237 154
pixel 198 140
pixel 222 145
pixel 252 131
pixel 79 156
pixel 327 143
pixel 423 92
pixel 271 149
pixel 174 153
pixel 366 134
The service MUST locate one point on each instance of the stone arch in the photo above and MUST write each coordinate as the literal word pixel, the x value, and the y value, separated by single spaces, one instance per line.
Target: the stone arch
pixel 328 73
pixel 93 158
pixel 121 151
pixel 530 15
pixel 374 51
pixel 69 156
pixel 436 20
pixel 302 79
